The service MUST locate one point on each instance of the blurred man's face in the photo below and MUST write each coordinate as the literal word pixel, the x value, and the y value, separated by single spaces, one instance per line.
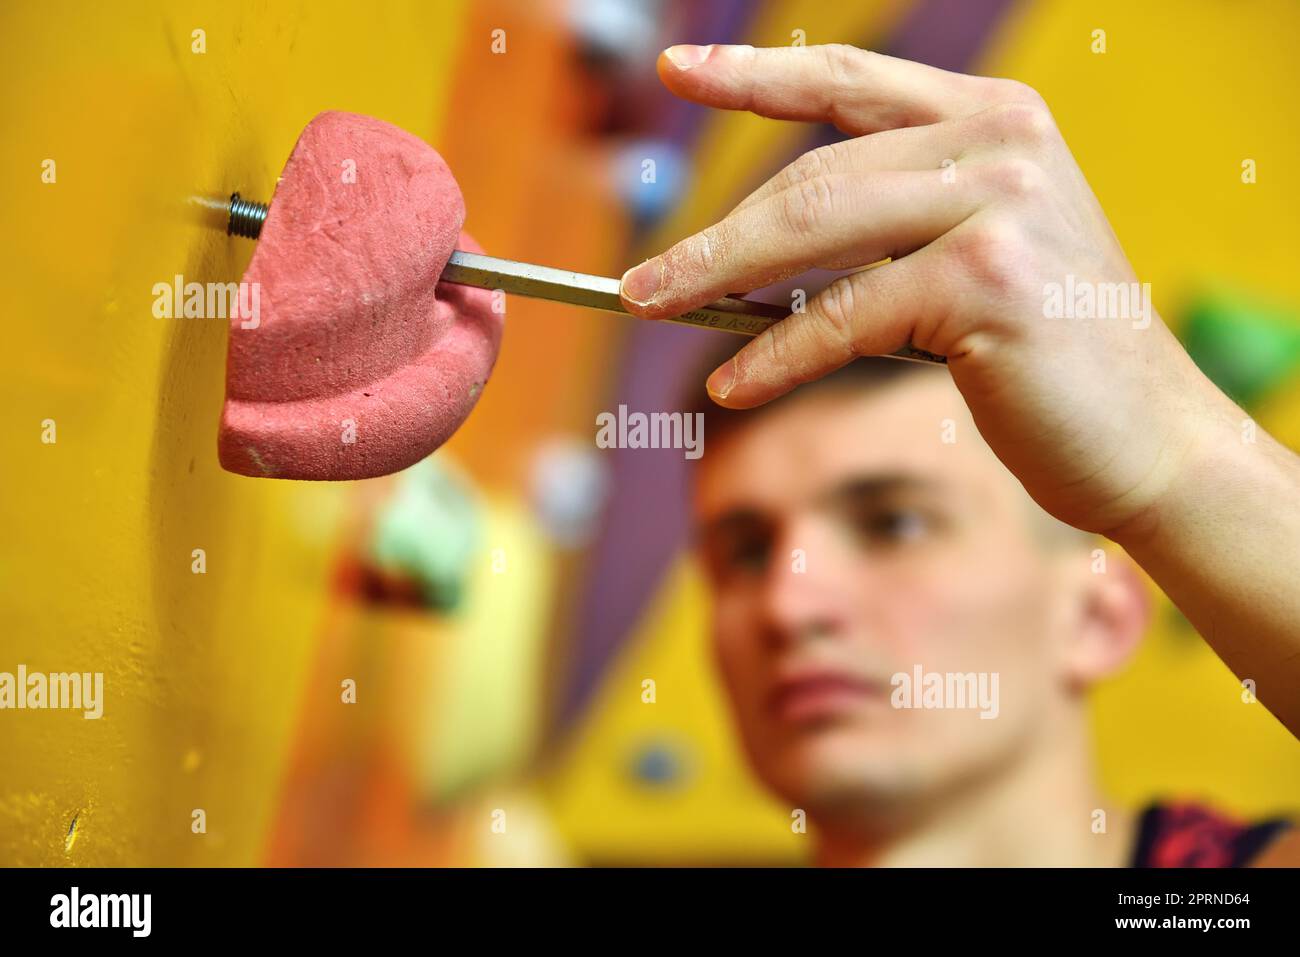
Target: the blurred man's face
pixel 847 542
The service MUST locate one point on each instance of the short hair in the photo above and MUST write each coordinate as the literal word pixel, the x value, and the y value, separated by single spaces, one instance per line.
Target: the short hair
pixel 864 374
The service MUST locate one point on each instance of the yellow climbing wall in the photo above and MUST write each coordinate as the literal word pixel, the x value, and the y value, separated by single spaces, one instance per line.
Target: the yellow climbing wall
pixel 142 115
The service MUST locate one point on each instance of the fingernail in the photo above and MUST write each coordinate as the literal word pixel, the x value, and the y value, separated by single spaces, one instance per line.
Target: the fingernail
pixel 641 283
pixel 686 55
pixel 722 380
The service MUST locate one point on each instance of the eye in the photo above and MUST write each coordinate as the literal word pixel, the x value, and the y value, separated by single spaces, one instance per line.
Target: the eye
pixel 739 551
pixel 893 526
pixel 747 554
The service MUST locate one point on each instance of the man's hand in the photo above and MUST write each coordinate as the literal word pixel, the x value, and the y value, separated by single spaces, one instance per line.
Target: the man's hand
pixel 994 237
pixel 965 183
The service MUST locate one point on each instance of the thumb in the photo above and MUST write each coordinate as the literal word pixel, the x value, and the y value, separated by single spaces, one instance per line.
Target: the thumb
pixel 870 312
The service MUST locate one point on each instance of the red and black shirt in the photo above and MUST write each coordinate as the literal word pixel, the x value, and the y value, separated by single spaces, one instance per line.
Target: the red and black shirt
pixel 1184 835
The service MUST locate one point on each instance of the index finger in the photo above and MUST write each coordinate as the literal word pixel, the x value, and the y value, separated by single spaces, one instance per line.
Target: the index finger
pixel 857 90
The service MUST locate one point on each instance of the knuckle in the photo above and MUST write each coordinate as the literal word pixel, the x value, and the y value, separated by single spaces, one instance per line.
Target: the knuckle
pixel 807 206
pixel 786 355
pixel 835 155
pixel 699 253
pixel 1016 177
pixel 837 306
pixel 1023 122
pixel 991 252
pixel 812 164
pixel 776 346
pixel 843 64
pixel 1015 91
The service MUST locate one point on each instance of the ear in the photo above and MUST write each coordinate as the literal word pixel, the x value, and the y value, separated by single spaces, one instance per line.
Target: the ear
pixel 1111 615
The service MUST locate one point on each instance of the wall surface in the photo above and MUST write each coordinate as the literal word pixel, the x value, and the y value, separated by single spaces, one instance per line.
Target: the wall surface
pixel 207 674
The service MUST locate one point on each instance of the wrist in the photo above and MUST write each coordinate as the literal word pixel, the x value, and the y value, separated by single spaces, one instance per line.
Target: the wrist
pixel 1226 467
pixel 1206 442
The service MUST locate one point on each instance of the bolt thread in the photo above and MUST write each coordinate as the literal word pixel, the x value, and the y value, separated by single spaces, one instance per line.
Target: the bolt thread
pixel 246 217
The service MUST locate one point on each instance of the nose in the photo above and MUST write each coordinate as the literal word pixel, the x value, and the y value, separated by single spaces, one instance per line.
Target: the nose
pixel 809 589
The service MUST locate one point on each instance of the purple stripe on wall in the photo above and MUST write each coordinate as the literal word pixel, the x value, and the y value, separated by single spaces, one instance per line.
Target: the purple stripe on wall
pixel 646 519
pixel 948 34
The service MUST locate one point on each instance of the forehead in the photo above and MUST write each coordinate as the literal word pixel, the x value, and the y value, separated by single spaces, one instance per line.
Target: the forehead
pixel 916 426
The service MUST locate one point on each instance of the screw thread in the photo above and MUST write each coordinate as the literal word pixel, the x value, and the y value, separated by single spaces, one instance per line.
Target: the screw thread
pixel 246 217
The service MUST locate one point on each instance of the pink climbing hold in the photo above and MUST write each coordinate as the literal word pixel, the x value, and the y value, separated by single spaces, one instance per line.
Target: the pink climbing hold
pixel 358 362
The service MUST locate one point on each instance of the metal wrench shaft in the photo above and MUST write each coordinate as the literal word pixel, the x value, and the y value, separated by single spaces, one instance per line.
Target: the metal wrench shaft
pixel 746 317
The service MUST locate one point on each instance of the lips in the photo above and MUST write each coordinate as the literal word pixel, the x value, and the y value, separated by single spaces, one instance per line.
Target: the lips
pixel 824 694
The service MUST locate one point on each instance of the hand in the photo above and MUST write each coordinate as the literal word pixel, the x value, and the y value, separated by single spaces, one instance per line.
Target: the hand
pixel 966 185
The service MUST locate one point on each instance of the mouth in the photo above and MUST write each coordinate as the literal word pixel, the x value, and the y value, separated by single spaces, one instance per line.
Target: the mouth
pixel 821 695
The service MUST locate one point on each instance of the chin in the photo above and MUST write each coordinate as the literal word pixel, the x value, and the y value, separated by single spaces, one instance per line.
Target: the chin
pixel 829 766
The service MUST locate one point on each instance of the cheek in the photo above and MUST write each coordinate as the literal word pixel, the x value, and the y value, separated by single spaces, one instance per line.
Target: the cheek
pixel 964 614
pixel 735 646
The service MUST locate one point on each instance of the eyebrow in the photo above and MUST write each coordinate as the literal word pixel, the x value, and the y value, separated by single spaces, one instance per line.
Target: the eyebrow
pixel 883 486
pixel 857 490
pixel 733 520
